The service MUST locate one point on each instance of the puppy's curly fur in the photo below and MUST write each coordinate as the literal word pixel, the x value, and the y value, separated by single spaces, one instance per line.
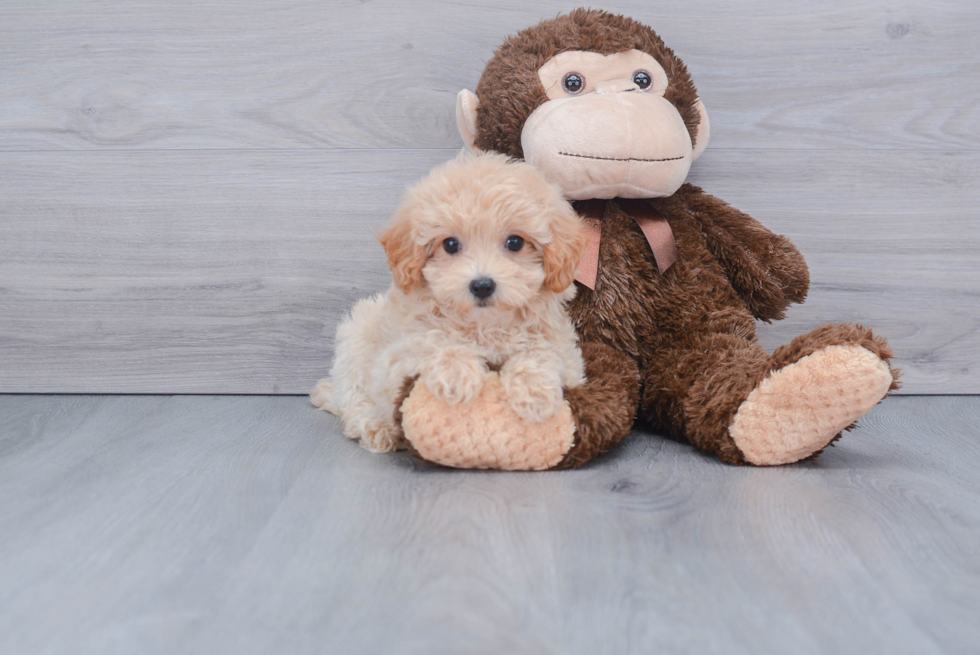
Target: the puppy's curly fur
pixel 432 324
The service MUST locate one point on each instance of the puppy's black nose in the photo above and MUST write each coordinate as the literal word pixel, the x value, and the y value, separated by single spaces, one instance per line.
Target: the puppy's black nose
pixel 482 287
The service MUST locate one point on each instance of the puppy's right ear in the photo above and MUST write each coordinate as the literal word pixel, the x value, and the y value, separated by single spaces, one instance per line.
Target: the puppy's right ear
pixel 405 258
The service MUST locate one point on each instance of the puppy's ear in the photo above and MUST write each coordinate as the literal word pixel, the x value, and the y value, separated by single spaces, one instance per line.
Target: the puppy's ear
pixel 563 253
pixel 405 258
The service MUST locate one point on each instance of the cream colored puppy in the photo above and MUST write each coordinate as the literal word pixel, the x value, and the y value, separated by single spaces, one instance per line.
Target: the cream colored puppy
pixel 482 254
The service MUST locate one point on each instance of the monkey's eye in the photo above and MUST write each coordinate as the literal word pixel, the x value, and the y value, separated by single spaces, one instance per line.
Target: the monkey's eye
pixel 573 83
pixel 514 243
pixel 642 79
pixel 451 245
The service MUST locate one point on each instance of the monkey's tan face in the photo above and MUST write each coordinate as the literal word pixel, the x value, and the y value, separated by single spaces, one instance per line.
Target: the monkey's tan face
pixel 606 130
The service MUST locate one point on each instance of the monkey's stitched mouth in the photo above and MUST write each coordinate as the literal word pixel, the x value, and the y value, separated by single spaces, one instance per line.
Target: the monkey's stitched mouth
pixel 571 154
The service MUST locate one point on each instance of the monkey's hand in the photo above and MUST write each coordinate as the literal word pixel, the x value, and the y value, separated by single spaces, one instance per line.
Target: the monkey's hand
pixel 767 271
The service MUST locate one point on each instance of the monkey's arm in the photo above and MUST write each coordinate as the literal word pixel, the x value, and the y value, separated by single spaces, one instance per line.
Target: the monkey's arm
pixel 767 271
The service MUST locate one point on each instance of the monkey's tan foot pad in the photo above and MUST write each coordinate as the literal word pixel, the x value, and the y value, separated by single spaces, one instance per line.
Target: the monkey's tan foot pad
pixel 484 433
pixel 799 409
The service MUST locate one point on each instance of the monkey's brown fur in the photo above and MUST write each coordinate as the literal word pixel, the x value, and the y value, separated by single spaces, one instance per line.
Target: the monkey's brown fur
pixel 605 407
pixel 509 89
pixel 681 346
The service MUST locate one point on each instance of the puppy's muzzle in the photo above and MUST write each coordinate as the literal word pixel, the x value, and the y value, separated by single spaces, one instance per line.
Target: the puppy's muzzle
pixel 482 288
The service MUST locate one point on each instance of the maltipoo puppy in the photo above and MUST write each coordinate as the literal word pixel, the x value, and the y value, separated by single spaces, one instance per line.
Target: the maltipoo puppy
pixel 482 254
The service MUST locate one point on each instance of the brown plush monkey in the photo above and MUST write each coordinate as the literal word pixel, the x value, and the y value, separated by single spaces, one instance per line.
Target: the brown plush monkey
pixel 674 280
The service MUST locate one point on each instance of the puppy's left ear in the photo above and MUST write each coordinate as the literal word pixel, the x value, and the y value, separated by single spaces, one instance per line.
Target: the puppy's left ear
pixel 405 258
pixel 563 253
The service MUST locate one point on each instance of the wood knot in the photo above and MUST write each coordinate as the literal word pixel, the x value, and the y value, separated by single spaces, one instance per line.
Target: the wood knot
pixel 622 486
pixel 897 30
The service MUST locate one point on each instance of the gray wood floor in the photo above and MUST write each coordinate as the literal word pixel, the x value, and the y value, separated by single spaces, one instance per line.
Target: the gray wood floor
pixel 203 524
pixel 188 189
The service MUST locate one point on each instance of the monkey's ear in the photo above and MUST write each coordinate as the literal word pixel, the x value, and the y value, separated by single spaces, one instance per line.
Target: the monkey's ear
pixel 704 131
pixel 466 104
pixel 405 258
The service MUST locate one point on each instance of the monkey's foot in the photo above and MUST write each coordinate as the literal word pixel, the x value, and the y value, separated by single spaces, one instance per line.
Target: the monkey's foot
pixel 799 409
pixel 488 433
pixel 484 433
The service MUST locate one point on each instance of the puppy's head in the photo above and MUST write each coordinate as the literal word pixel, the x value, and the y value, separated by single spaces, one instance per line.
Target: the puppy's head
pixel 481 232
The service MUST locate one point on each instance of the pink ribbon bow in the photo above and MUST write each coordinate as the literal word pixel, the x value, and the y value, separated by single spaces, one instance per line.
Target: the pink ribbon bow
pixel 654 226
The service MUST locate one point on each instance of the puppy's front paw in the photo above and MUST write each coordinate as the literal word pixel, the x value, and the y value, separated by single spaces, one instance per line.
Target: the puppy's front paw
pixel 535 394
pixel 379 436
pixel 456 375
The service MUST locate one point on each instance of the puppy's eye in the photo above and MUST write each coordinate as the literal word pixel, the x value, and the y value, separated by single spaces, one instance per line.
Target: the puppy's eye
pixel 514 243
pixel 573 83
pixel 451 245
pixel 642 79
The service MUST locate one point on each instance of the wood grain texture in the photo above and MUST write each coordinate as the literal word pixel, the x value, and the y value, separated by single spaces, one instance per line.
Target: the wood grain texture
pixel 249 525
pixel 381 74
pixel 188 190
pixel 227 272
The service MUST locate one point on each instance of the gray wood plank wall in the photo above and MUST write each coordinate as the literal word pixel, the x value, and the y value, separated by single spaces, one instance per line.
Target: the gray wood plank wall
pixel 188 190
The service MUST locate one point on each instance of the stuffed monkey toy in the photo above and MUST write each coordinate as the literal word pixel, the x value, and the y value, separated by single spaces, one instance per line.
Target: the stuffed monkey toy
pixel 672 282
